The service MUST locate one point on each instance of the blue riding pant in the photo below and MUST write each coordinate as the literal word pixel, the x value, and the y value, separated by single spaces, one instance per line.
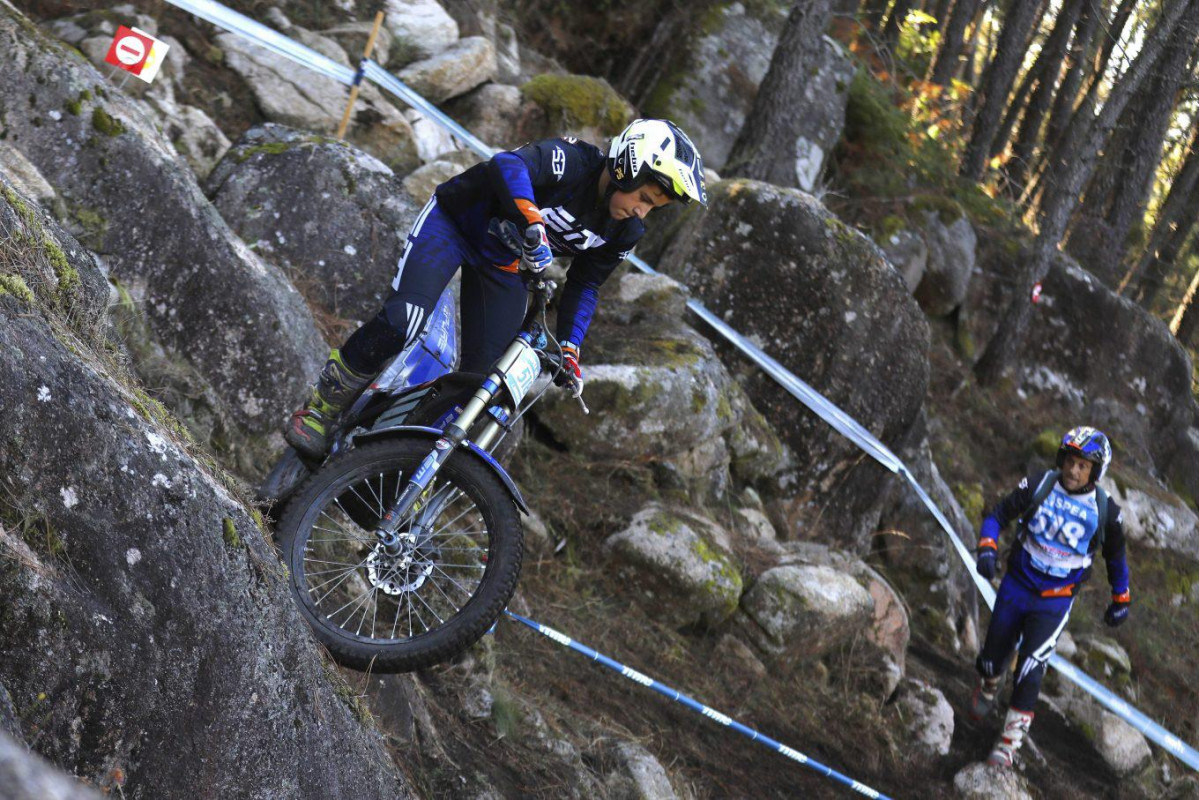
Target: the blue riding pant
pixel 492 304
pixel 1023 619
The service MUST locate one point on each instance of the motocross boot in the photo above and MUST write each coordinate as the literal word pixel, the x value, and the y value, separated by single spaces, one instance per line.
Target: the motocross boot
pixel 1015 728
pixel 982 701
pixel 337 386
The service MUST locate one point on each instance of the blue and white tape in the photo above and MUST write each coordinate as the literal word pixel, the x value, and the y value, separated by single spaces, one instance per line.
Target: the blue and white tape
pixel 694 705
pixel 843 423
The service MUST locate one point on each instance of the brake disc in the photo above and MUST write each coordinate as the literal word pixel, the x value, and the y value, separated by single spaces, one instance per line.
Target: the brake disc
pixel 396 574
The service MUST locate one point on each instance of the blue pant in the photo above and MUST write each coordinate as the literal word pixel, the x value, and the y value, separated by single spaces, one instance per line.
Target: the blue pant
pixel 492 304
pixel 1023 619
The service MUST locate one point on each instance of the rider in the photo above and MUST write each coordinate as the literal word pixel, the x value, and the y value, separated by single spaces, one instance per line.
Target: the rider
pixel 1051 558
pixel 556 197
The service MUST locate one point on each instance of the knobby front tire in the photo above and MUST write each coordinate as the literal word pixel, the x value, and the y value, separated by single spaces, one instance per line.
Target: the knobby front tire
pixel 401 613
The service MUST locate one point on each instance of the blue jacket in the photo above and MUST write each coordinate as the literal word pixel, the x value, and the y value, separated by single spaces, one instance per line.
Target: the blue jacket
pixel 556 182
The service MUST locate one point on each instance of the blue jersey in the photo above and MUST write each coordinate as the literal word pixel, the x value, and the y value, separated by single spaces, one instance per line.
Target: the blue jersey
pixel 1056 547
pixel 555 182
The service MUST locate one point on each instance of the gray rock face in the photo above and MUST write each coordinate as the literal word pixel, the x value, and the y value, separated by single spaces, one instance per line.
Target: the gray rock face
pixel 241 324
pixel 456 70
pixel 421 27
pixel 984 782
pixel 927 716
pixel 908 253
pixel 638 354
pixel 1156 522
pixel 25 776
pixel 1122 746
pixel 888 630
pixel 147 626
pixel 1104 359
pixel 797 613
pixel 23 176
pixel 951 254
pixel 635 773
pixel 712 91
pixel 327 213
pixel 492 112
pixel 676 561
pixel 303 99
pixel 821 299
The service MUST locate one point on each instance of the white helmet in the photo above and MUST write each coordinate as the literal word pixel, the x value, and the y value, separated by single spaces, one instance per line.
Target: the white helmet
pixel 657 149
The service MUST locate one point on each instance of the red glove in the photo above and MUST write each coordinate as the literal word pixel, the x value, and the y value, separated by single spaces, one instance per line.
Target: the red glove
pixel 572 373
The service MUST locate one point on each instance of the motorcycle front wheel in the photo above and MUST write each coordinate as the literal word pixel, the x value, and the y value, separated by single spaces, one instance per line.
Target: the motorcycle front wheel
pixel 398 612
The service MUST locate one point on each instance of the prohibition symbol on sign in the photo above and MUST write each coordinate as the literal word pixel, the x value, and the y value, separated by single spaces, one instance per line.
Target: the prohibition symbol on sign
pixel 137 52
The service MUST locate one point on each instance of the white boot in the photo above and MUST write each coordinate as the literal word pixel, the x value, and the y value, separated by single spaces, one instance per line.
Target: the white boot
pixel 1015 727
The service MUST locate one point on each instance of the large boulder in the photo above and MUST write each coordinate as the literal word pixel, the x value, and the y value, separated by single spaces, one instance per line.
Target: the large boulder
pixel 303 99
pixel 821 299
pixel 454 71
pixel 494 112
pixel 147 629
pixel 329 214
pixel 985 782
pixel 421 28
pixel 927 716
pixel 710 89
pixel 945 280
pixel 886 636
pixel 680 566
pixel 659 393
pixel 1100 356
pixel 1156 521
pixel 796 613
pixel 239 322
pixel 574 105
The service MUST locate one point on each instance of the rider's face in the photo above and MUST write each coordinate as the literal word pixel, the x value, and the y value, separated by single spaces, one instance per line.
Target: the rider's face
pixel 638 202
pixel 1076 472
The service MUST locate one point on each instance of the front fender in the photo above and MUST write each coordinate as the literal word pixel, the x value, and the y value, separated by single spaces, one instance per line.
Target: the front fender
pixel 469 447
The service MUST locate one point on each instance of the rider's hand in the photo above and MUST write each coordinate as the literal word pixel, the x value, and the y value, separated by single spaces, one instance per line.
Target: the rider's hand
pixel 571 374
pixel 986 562
pixel 537 249
pixel 1117 613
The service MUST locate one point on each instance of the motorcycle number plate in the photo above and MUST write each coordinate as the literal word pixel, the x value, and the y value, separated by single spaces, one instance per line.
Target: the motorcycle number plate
pixel 523 373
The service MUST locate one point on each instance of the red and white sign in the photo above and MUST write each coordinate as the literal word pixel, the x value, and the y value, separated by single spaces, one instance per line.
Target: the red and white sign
pixel 137 52
pixel 1036 292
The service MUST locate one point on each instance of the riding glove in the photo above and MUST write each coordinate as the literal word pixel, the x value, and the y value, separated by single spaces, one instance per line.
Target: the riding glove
pixel 537 248
pixel 1117 613
pixel 571 374
pixel 986 563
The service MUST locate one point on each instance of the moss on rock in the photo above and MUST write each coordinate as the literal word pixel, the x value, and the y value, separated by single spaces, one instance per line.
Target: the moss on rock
pixel 579 101
pixel 103 122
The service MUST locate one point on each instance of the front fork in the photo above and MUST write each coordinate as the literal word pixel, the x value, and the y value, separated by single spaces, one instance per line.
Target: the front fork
pixel 454 434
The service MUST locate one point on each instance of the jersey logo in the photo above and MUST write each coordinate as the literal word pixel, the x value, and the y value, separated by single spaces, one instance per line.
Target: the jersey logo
pixel 570 139
pixel 562 227
pixel 558 162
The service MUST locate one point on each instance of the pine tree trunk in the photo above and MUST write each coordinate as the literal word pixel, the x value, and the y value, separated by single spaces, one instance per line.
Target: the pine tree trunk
pixel 946 66
pixel 1077 60
pixel 1050 61
pixel 1070 166
pixel 766 147
pixel 1186 318
pixel 1122 181
pixel 997 84
pixel 1170 217
pixel 1164 259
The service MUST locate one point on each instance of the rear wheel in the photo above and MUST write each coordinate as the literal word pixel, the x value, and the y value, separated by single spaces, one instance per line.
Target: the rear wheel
pixel 421 606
